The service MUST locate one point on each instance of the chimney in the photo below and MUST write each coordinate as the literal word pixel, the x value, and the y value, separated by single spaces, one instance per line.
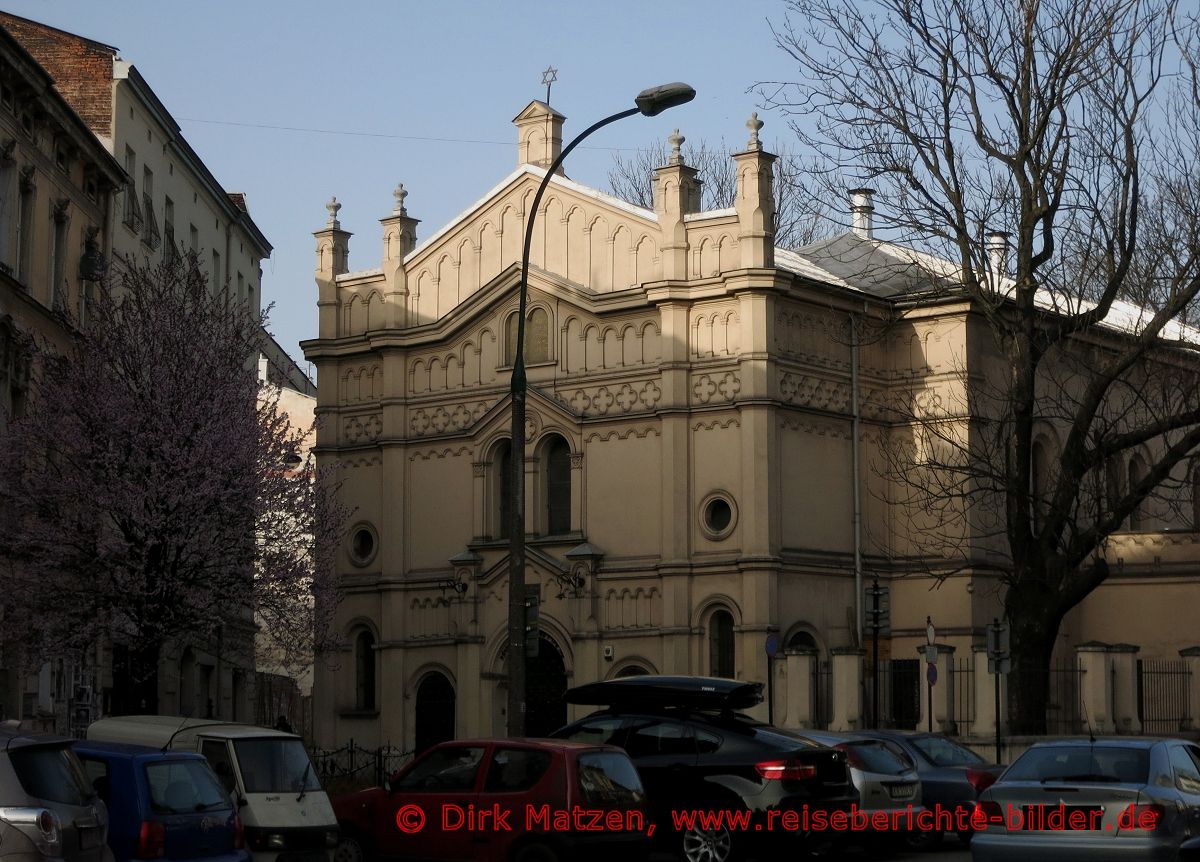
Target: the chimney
pixel 861 209
pixel 997 249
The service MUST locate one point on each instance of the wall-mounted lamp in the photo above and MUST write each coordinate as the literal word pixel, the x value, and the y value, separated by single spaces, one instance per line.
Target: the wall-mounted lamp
pixel 459 587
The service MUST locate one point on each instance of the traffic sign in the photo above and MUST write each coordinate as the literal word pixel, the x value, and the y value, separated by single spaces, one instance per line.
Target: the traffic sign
pixel 533 599
pixel 1003 665
pixel 998 640
pixel 931 673
pixel 772 645
pixel 877 607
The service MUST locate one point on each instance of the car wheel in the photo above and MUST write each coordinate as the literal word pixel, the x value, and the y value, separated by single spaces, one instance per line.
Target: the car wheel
pixel 349 849
pixel 535 853
pixel 964 837
pixel 707 845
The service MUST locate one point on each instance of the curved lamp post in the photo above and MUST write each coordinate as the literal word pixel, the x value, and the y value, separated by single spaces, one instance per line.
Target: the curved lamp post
pixel 649 103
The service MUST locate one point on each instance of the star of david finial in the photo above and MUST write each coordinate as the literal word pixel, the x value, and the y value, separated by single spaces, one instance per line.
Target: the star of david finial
pixel 400 194
pixel 754 124
pixel 548 78
pixel 333 206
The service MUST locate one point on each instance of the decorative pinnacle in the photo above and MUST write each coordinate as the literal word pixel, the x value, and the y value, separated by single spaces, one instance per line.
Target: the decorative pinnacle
pixel 333 206
pixel 400 194
pixel 676 140
pixel 754 124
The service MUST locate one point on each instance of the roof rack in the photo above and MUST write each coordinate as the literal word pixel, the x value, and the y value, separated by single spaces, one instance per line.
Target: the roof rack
pixel 694 692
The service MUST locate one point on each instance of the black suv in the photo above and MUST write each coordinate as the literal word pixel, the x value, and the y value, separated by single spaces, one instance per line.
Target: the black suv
pixel 695 752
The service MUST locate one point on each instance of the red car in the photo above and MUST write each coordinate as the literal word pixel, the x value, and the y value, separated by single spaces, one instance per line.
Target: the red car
pixel 500 800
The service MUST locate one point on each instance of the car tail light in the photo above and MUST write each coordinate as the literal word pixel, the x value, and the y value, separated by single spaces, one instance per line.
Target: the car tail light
pixel 239 833
pixel 786 770
pixel 980 779
pixel 1141 818
pixel 852 757
pixel 990 812
pixel 152 840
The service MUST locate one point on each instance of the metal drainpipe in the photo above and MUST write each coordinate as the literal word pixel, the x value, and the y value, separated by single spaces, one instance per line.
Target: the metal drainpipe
pixel 858 572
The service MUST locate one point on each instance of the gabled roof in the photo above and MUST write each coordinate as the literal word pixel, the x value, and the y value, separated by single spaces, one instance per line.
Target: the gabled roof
pixel 537 108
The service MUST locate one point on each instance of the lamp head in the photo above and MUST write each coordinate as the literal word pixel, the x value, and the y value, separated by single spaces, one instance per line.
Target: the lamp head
pixel 653 101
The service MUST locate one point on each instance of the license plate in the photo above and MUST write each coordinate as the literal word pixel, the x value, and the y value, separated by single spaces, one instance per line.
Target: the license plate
pixel 1061 818
pixel 903 791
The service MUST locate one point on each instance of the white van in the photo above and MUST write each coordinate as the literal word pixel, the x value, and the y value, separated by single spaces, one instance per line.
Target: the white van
pixel 286 814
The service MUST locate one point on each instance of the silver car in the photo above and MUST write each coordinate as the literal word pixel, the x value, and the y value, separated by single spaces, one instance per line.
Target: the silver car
pixel 885 777
pixel 1124 798
pixel 48 811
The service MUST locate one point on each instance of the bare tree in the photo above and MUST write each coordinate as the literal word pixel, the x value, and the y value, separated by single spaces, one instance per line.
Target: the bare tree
pixel 1071 126
pixel 799 218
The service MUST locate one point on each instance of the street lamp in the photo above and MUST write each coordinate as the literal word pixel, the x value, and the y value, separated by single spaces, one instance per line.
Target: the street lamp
pixel 649 103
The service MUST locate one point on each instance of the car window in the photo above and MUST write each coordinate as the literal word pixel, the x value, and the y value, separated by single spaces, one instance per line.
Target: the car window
pixel 52 773
pixel 706 743
pixel 609 779
pixel 97 776
pixel 944 752
pixel 597 731
pixel 444 770
pixel 514 769
pixel 649 737
pixel 1187 777
pixel 875 756
pixel 1082 763
pixel 216 752
pixel 183 787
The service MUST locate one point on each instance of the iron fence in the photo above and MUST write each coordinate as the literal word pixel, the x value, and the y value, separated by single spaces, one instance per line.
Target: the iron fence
pixel 1163 690
pixel 964 695
pixel 1061 682
pixel 899 688
pixel 358 764
pixel 822 682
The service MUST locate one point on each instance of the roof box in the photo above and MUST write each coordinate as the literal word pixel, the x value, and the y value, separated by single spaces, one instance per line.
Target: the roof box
pixel 697 692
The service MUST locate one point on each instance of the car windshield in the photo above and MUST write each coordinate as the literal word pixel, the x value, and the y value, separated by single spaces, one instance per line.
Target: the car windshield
pixel 943 752
pixel 52 773
pixel 183 787
pixel 275 766
pixel 1082 763
pixel 876 757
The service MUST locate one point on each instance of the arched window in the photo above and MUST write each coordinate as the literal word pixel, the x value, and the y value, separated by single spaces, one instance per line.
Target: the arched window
pixel 1137 472
pixel 631 670
pixel 364 665
pixel 1112 483
pixel 537 337
pixel 1039 472
pixel 558 487
pixel 720 644
pixel 802 640
pixel 502 467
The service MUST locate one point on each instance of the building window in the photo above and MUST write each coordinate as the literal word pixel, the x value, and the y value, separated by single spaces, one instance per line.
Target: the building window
pixel 1137 472
pixel 537 337
pixel 193 238
pixel 503 508
pixel 558 487
pixel 241 283
pixel 25 204
pixel 217 280
pixel 364 664
pixel 59 289
pixel 720 644
pixel 170 249
pixel 718 515
pixel 1039 471
pixel 363 544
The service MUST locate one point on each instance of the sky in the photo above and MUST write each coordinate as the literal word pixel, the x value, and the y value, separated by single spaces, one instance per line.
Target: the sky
pixel 294 102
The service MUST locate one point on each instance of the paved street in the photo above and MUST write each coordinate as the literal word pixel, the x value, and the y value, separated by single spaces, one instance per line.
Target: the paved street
pixel 950 851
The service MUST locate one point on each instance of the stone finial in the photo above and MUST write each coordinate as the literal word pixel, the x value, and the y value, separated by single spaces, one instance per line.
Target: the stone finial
pixel 400 194
pixel 754 124
pixel 676 141
pixel 333 206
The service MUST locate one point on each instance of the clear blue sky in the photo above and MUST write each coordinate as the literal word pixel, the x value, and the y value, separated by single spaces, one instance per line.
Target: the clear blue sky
pixel 399 75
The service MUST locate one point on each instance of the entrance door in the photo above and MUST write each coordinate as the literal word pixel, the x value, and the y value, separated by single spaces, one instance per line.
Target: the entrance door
pixel 545 690
pixel 435 711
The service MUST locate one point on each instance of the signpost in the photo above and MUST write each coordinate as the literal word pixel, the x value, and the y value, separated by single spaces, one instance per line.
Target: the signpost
pixel 772 646
pixel 533 599
pixel 999 661
pixel 931 660
pixel 877 601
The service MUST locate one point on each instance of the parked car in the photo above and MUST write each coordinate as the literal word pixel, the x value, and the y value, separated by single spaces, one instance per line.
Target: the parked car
pixel 473 799
pixel 163 804
pixel 48 811
pixel 952 776
pixel 696 752
pixel 267 772
pixel 886 780
pixel 1125 798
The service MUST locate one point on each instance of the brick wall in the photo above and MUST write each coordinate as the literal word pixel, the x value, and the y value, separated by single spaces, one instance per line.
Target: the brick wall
pixel 81 68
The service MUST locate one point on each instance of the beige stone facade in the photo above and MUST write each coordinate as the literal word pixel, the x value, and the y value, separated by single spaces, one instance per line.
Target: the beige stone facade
pixel 692 475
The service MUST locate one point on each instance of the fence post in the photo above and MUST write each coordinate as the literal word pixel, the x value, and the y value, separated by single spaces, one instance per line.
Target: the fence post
pixel 985 695
pixel 846 667
pixel 1095 693
pixel 801 668
pixel 1125 688
pixel 1191 657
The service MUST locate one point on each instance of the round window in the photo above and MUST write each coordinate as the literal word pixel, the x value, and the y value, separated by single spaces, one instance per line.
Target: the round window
pixel 362 544
pixel 717 515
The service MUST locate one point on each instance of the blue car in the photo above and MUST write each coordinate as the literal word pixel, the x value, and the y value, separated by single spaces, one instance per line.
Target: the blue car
pixel 163 804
